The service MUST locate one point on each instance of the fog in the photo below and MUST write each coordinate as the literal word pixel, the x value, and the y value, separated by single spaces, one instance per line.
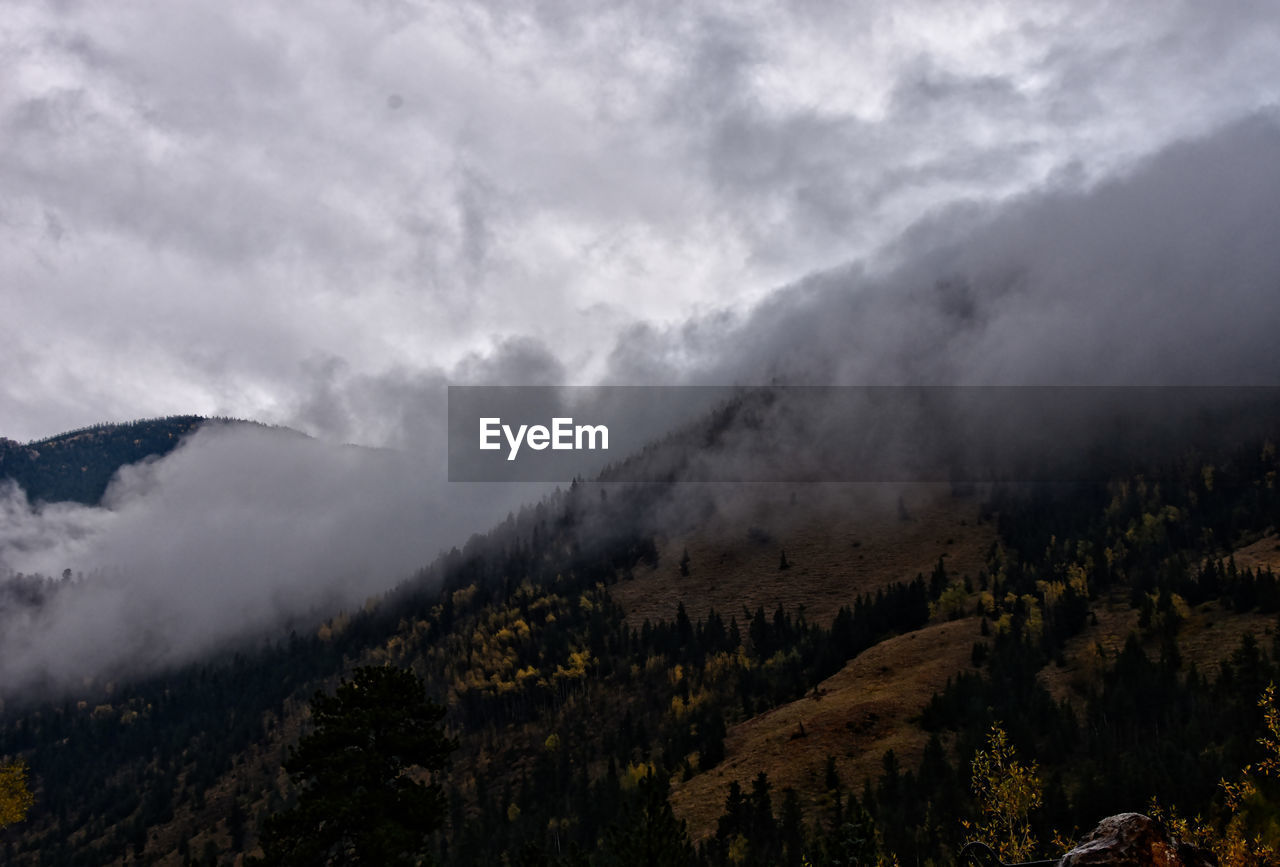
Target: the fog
pixel 1166 275
pixel 239 530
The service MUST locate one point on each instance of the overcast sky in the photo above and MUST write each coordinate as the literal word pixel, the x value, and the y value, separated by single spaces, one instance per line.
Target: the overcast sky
pixel 319 214
pixel 309 212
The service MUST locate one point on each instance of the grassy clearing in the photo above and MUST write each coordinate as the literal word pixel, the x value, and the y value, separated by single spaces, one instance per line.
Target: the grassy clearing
pixel 839 540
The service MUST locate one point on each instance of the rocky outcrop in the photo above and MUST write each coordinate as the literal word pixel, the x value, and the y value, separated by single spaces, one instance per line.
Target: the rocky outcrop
pixel 1135 840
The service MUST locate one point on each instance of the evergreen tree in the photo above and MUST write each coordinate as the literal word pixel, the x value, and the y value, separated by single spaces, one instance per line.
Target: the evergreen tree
pixel 357 802
pixel 764 829
pixel 649 833
pixel 791 828
pixel 713 733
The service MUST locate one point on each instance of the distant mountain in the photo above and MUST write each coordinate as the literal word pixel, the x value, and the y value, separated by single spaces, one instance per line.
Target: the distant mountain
pixel 77 466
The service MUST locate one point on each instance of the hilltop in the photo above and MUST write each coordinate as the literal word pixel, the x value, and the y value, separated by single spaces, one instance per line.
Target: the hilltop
pixel 77 466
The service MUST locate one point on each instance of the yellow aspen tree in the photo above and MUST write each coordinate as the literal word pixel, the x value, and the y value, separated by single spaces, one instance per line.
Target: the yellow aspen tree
pixel 15 798
pixel 1008 791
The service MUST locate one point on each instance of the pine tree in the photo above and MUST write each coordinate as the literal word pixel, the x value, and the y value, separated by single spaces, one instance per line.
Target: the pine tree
pixel 358 803
pixel 649 833
pixel 791 828
pixel 713 733
pixel 764 828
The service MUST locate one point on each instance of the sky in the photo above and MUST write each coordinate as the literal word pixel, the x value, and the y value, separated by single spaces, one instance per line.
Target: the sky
pixel 317 214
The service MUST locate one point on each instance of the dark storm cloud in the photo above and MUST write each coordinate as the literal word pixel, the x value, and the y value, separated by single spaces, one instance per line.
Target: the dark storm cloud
pixel 1167 275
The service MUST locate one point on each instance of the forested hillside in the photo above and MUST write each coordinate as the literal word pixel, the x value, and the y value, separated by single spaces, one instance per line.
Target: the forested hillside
pixel 77 466
pixel 1109 629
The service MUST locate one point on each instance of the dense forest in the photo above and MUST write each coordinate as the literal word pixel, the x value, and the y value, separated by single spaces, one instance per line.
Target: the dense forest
pixel 78 465
pixel 574 723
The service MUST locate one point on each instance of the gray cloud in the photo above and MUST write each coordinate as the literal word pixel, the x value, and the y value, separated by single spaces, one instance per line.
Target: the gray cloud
pixel 200 201
pixel 238 530
pixel 223 210
pixel 1165 275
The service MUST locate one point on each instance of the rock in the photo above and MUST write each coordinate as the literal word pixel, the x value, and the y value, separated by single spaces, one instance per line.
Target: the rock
pixel 1135 840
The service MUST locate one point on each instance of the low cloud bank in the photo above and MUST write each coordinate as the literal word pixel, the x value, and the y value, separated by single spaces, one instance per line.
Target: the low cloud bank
pixel 239 529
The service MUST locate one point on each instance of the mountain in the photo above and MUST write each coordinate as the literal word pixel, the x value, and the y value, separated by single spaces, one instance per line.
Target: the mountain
pixel 772 672
pixel 78 465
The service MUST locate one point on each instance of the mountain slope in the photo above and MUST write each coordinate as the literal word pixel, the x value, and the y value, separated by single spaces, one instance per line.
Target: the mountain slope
pixel 78 465
pixel 577 662
pixel 839 541
pixel 854 716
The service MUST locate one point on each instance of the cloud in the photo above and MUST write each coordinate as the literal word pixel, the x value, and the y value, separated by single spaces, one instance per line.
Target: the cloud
pixel 239 530
pixel 322 216
pixel 204 204
pixel 1162 276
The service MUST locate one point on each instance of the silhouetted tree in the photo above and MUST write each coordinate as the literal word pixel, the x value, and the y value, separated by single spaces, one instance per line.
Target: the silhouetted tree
pixel 649 833
pixel 358 804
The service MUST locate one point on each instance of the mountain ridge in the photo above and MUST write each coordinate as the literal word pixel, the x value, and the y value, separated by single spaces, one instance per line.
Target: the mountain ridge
pixel 77 466
pixel 564 703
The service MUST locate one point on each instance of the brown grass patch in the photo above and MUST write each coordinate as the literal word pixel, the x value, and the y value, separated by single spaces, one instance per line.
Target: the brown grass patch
pixel 860 712
pixel 840 541
pixel 1261 555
